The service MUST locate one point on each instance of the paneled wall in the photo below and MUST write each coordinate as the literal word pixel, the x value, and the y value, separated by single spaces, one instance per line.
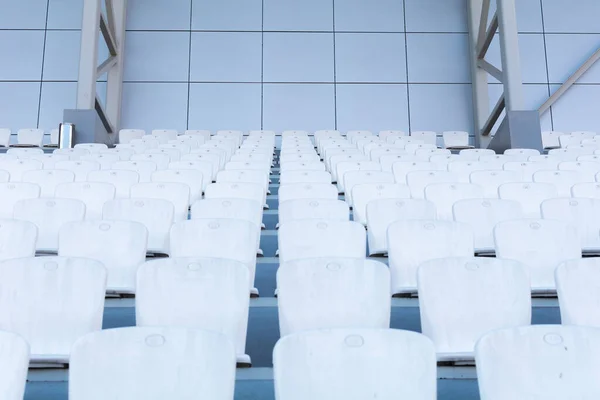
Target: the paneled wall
pixel 295 64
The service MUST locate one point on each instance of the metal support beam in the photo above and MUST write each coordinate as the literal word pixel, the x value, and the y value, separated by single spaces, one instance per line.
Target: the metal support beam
pixel 106 66
pixel 108 36
pixel 483 22
pixel 509 51
pixel 490 69
pixel 571 81
pixel 479 78
pixel 88 58
pixel 494 117
pixel 110 16
pixel 114 90
pixel 485 43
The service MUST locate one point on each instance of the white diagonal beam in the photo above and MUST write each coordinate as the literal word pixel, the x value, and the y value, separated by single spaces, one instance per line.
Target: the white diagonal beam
pixel 88 56
pixel 509 51
pixel 114 89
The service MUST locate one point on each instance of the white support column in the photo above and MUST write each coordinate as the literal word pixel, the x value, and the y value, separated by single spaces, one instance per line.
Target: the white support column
pixel 479 77
pixel 88 57
pixel 114 88
pixel 509 50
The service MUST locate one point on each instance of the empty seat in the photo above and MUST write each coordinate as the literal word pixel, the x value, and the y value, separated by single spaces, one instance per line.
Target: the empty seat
pixel 216 156
pixel 246 176
pixel 349 166
pixel 5 137
pixel 80 168
pixel 521 152
pixel 327 293
pixel 482 215
pixel 172 153
pixel 541 245
pixel 527 169
pixel 14 353
pixel 192 178
pixel 418 180
pixel 92 147
pixel 456 140
pixel 354 178
pixel 122 180
pixel 303 209
pixel 164 135
pixel 461 299
pixel 582 213
pixel 123 153
pixel 49 215
pixel 217 238
pixel 127 135
pixel 178 194
pixel 562 180
pixel 445 195
pixel 92 194
pixel 161 160
pixel 576 283
pixel 474 154
pixel 143 168
pixel 302 166
pixel 51 302
pixel 16 167
pixel 299 176
pixel 106 160
pixel 30 137
pixel 24 153
pixel 152 363
pixel 74 154
pixel 155 214
pixel 206 168
pixel 307 191
pixel 529 195
pixel 240 190
pixel 381 213
pixel 321 238
pixel 201 133
pixel 48 179
pixel 490 181
pixel 198 293
pixel 119 245
pixel 464 169
pixel 18 239
pixel 428 137
pixel 355 364
pixel 412 242
pixel 364 193
pixel 11 193
pixel 244 209
pixel 175 145
pixel 586 190
pixel 586 169
pixel 402 168
pixel 554 362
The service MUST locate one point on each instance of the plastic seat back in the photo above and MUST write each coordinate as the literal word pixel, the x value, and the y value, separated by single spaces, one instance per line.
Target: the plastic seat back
pixel 194 179
pixel 12 193
pixel 245 209
pixel 479 295
pixel 539 244
pixel 198 293
pixel 51 302
pixel 127 135
pixel 299 176
pixel 445 195
pixel 326 293
pixel 18 239
pixel 33 137
pixel 119 245
pixel 49 215
pixel 14 353
pixel 321 238
pixel 236 190
pixel 92 194
pixel 48 179
pixel 555 362
pixel 529 195
pixel 490 181
pixel 161 160
pixel 122 180
pixel 178 194
pixel 364 193
pixel 17 167
pixel 304 209
pixel 412 242
pixel 143 168
pixel 381 213
pixel 562 180
pixel 576 283
pixel 418 180
pixel 106 160
pixel 582 213
pixel 354 178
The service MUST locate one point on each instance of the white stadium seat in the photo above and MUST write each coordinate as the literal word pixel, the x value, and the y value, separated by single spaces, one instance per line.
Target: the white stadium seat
pixel 240 190
pixel 576 286
pixel 300 176
pixel 80 168
pixel 349 166
pixel 586 190
pixel 582 213
pixel 92 147
pixel 427 137
pixel 155 214
pixel 161 160
pixel 541 245
pixel 554 362
pixel 18 239
pixel 164 135
pixel 178 194
pixel 562 180
pixel 302 166
pixel 445 195
pixel 244 209
pixel 307 191
pixel 364 193
pixel 522 152
pixel 119 245
pixel 529 195
pixel 30 137
pixel 587 169
pixel 235 239
pixel 381 213
pixel 328 293
pixel 354 178
pixel 143 168
pixel 106 160
pixel 482 215
pixel 474 154
pixel 402 168
pixel 303 209
pixel 527 169
pixel 123 153
pixel 74 154
pixel 48 179
pixel 355 364
pixel 4 176
pixel 16 168
pixel 51 302
pixel 122 180
pixel 152 363
pixel 192 178
pixel 491 180
pixel 4 137
pixel 14 356
pixel 412 242
pixel 49 160
pixel 206 168
pixel 198 293
pixel 245 176
pixel 12 193
pixel 92 194
pixel 460 299
pixel 321 238
pixel 456 139
pixel 418 180
pixel 127 135
pixel 464 169
pixel 49 215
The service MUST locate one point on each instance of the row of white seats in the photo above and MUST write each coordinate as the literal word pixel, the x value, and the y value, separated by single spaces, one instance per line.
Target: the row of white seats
pixel 52 301
pixel 556 362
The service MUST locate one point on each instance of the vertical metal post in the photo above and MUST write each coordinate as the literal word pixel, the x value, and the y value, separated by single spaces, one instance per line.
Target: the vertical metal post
pixel 114 88
pixel 509 50
pixel 479 77
pixel 88 56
